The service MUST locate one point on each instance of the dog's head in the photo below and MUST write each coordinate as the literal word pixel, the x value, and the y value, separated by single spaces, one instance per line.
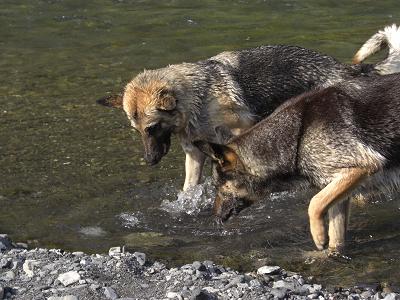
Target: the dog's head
pixel 151 108
pixel 233 182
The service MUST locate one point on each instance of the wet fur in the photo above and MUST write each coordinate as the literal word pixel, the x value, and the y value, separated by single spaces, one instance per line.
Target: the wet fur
pixel 339 138
pixel 233 89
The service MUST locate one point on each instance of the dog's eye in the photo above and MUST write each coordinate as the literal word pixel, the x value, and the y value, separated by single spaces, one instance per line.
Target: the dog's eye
pixel 153 128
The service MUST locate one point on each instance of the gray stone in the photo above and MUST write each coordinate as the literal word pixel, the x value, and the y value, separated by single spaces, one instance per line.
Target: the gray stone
pixel 5 263
pixel 69 278
pixel 67 297
pixel 283 284
pixel 1 292
pixel 8 276
pixel 366 295
pixel 279 293
pixel 22 245
pixel 268 270
pixel 199 266
pixel 110 293
pixel 234 281
pixel 140 257
pixel 198 294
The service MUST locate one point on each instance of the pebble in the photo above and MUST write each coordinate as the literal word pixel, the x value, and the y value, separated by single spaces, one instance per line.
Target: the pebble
pixel 69 278
pixel 8 276
pixel 115 251
pixel 68 297
pixel 110 293
pixel 140 257
pixel 5 263
pixel 279 293
pixel 268 270
pixel 29 266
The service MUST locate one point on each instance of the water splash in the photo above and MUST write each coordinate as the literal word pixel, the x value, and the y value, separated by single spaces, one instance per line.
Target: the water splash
pixel 192 201
pixel 129 220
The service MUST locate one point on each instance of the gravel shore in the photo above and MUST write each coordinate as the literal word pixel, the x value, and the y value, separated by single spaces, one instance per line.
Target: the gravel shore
pixel 55 274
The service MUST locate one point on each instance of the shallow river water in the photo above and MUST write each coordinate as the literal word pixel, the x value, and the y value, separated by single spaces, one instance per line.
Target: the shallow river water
pixel 72 174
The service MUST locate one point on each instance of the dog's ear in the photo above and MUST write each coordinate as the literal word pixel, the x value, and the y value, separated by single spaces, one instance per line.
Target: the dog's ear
pixel 111 101
pixel 166 100
pixel 224 134
pixel 225 156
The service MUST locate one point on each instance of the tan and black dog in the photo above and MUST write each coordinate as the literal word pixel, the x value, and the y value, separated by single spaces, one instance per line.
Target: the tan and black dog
pixel 335 138
pixel 234 89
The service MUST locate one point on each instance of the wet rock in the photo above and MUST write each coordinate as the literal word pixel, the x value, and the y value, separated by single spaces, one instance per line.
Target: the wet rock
pixel 140 257
pixel 110 293
pixel 5 242
pixel 69 278
pixel 268 270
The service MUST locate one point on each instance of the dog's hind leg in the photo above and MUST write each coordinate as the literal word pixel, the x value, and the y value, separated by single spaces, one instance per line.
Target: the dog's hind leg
pixel 334 192
pixel 338 221
pixel 193 166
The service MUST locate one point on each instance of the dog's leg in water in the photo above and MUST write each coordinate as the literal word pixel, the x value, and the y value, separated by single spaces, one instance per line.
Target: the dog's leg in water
pixel 338 221
pixel 193 166
pixel 335 191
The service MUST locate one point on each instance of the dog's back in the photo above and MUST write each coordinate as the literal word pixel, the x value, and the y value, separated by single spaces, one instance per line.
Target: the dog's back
pixel 267 75
pixel 353 124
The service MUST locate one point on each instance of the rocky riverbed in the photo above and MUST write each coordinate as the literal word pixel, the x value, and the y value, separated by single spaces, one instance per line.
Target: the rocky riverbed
pixel 55 274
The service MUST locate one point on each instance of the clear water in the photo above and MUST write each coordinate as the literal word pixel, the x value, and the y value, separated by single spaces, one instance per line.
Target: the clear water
pixel 71 172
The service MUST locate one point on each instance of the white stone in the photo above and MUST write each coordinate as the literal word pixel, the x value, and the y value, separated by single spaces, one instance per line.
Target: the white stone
pixel 110 293
pixel 68 297
pixel 69 278
pixel 268 270
pixel 114 251
pixel 29 267
pixel 173 295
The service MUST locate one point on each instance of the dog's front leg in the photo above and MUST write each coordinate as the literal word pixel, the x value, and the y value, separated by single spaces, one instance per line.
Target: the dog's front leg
pixel 193 165
pixel 335 191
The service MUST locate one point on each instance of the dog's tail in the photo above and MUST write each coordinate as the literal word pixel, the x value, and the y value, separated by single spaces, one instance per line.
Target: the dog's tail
pixel 388 37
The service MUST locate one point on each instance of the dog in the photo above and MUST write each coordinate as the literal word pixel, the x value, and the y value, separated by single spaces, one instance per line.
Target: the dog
pixel 337 138
pixel 234 89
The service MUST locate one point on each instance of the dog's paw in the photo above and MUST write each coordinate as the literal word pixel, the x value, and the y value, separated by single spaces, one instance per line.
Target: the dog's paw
pixel 318 232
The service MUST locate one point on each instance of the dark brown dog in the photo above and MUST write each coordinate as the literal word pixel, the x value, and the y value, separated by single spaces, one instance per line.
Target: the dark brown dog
pixel 336 138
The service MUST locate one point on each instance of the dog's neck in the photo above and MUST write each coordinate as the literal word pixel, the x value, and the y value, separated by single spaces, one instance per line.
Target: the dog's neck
pixel 270 148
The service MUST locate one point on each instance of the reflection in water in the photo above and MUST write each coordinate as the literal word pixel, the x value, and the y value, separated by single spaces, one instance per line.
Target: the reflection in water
pixel 70 170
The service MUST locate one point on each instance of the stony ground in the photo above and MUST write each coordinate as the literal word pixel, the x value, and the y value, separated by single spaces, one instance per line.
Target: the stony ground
pixel 55 274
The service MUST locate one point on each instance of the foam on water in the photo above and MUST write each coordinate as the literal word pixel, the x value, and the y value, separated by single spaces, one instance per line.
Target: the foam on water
pixel 192 201
pixel 129 220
